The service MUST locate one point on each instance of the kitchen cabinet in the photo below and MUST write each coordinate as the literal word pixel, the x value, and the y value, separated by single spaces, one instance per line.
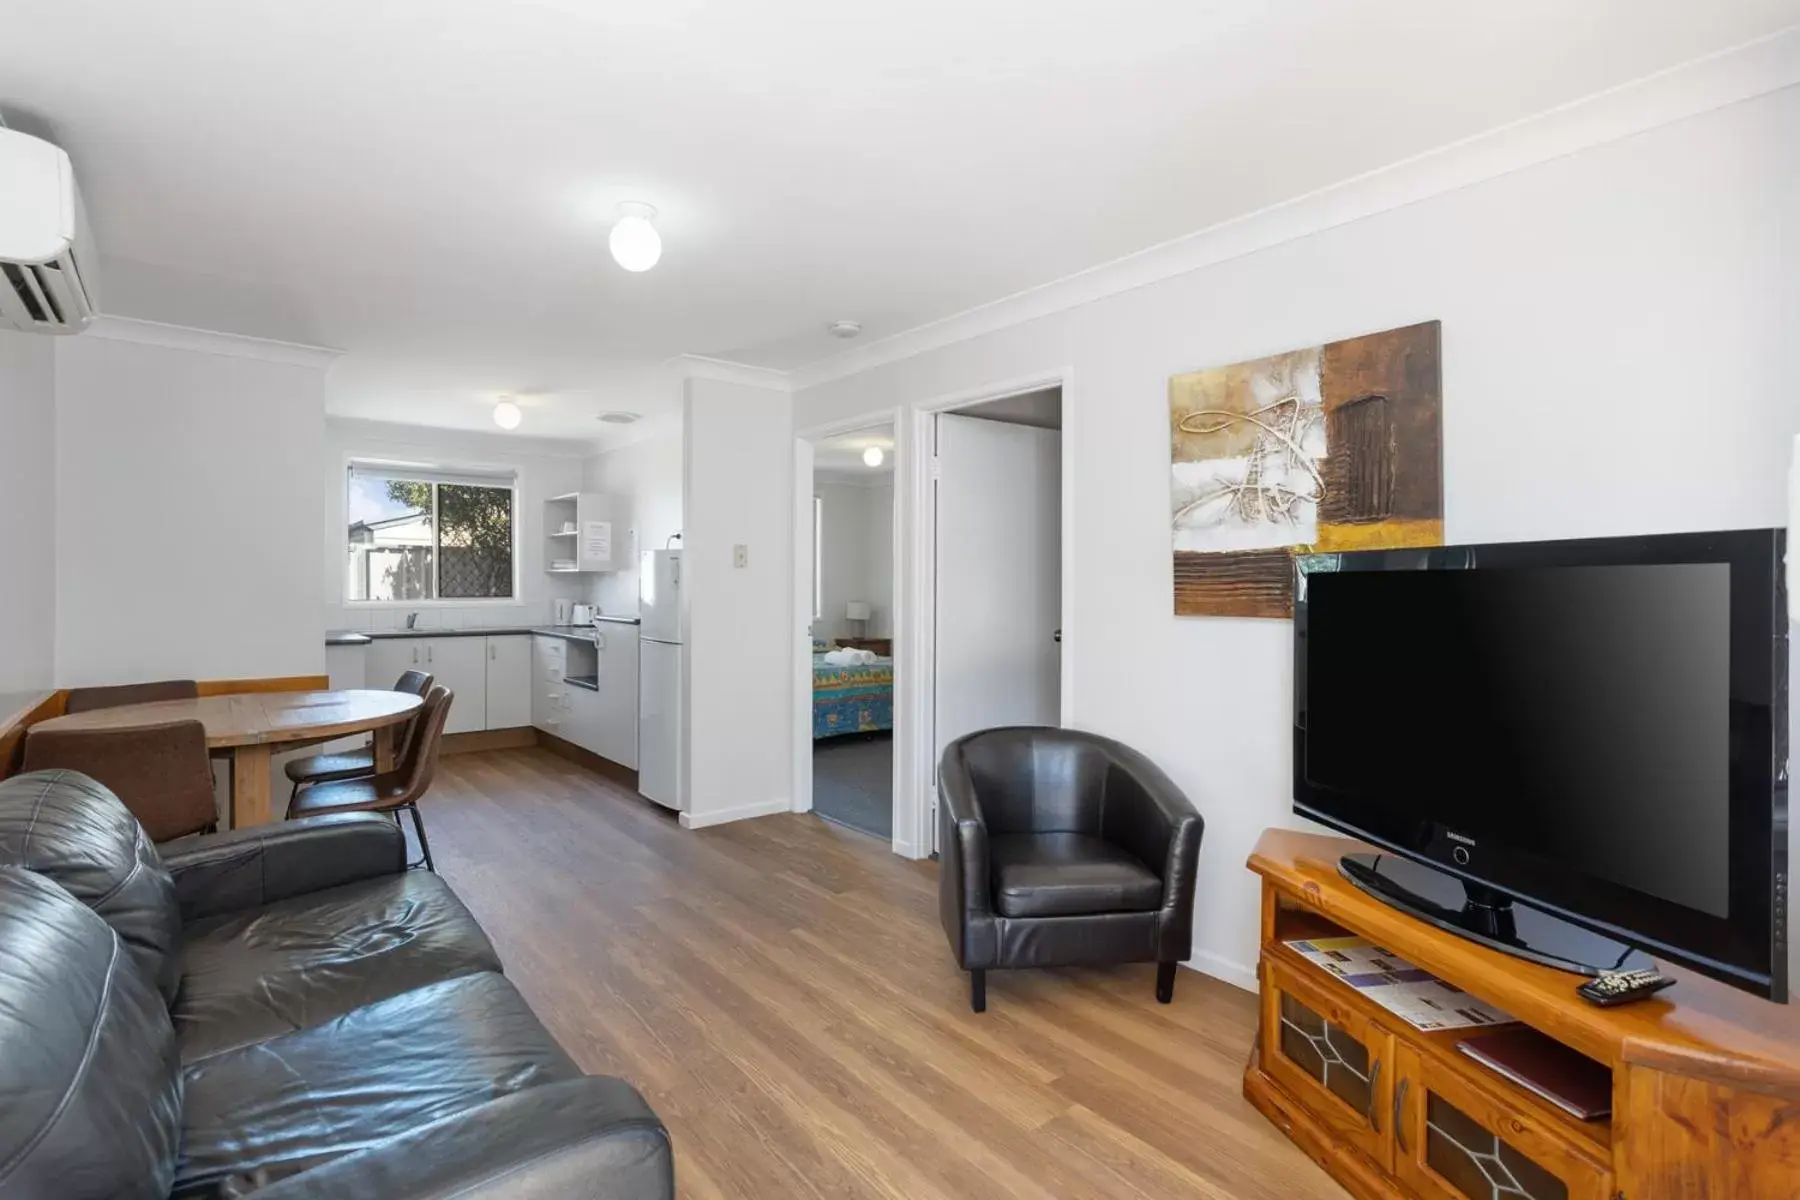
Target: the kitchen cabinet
pixel 508 682
pixel 460 664
pixel 585 692
pixel 616 697
pixel 389 658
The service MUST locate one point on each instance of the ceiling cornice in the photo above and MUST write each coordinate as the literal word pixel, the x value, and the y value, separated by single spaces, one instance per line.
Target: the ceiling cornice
pixel 699 366
pixel 1702 85
pixel 206 341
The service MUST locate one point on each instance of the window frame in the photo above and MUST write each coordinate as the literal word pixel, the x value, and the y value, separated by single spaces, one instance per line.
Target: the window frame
pixel 399 467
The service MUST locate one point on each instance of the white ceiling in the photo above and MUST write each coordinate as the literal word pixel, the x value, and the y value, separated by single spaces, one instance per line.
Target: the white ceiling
pixel 427 184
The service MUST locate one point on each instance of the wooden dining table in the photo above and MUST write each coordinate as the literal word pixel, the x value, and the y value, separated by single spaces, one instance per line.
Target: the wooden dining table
pixel 249 728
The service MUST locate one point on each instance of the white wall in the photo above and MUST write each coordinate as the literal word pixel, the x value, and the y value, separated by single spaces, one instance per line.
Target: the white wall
pixel 187 514
pixel 857 554
pixel 27 511
pixel 647 476
pixel 739 490
pixel 546 467
pixel 1618 332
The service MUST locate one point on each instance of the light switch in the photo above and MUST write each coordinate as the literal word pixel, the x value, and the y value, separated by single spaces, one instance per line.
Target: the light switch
pixel 740 555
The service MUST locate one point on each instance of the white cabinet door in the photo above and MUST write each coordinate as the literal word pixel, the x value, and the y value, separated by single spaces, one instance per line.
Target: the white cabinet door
pixel 581 717
pixel 617 735
pixel 389 658
pixel 460 664
pixel 508 682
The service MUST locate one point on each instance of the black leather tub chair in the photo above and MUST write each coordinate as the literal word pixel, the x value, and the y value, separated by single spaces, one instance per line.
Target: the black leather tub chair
pixel 1061 848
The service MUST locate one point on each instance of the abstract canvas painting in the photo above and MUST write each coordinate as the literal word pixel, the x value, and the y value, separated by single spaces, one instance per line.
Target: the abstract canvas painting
pixel 1335 447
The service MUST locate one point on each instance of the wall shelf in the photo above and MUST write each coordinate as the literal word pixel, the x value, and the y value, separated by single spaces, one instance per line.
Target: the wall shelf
pixel 585 532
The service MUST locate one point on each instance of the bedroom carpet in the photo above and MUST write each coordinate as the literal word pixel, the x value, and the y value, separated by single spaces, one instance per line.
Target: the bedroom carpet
pixel 853 782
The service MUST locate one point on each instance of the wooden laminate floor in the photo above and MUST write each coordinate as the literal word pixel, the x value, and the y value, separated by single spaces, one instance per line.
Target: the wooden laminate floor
pixel 782 993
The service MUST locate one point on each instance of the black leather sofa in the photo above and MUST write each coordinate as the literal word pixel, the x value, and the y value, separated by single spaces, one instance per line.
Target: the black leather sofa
pixel 1062 848
pixel 281 1012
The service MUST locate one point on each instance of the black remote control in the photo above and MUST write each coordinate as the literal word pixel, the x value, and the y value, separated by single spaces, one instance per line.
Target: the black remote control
pixel 1622 987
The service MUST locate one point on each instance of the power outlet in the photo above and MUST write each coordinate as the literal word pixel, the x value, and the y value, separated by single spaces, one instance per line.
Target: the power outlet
pixel 740 555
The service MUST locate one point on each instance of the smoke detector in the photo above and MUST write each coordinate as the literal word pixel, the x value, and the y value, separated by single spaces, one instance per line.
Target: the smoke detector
pixel 621 418
pixel 844 329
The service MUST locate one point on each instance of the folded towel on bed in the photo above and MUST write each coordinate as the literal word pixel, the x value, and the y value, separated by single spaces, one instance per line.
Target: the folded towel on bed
pixel 849 658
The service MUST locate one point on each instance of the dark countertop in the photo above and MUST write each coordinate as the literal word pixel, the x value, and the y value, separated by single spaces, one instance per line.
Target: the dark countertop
pixel 583 633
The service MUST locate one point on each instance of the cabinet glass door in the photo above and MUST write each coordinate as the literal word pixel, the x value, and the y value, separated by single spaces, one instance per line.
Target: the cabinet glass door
pixel 1454 1141
pixel 1329 1056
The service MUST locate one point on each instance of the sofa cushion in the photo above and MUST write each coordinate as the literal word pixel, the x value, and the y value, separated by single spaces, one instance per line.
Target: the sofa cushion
pixel 256 974
pixel 90 1089
pixel 63 825
pixel 1068 875
pixel 262 1113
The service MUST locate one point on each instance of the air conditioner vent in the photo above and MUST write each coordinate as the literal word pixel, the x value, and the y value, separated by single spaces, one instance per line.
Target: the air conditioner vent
pixel 42 285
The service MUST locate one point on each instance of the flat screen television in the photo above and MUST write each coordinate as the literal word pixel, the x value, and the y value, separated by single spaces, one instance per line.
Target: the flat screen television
pixel 1596 729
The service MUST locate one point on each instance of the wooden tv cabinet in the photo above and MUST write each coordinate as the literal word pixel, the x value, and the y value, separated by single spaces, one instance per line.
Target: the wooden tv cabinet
pixel 1706 1079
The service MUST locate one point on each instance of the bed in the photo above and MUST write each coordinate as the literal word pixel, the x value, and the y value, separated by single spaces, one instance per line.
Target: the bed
pixel 854 699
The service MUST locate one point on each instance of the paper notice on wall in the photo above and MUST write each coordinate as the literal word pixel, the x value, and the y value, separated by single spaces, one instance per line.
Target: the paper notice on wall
pixel 596 540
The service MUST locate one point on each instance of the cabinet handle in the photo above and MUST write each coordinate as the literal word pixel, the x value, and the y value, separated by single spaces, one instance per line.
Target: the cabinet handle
pixel 491 652
pixel 1374 1110
pixel 415 656
pixel 428 651
pixel 1399 1117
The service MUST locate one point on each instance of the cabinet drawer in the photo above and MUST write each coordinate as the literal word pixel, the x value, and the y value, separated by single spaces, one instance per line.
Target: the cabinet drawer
pixel 1336 1061
pixel 1456 1140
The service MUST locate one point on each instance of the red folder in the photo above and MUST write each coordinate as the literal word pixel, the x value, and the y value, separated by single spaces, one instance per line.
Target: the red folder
pixel 1567 1078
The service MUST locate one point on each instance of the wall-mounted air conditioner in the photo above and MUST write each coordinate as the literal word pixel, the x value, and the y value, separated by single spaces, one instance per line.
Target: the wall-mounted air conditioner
pixel 47 260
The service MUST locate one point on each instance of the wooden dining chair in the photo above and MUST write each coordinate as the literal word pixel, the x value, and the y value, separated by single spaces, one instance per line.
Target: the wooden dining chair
pixel 329 768
pixel 87 699
pixel 160 772
pixel 393 791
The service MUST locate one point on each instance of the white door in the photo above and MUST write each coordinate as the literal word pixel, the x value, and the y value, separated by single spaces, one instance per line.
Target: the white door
pixel 460 664
pixel 806 532
pixel 999 577
pixel 508 682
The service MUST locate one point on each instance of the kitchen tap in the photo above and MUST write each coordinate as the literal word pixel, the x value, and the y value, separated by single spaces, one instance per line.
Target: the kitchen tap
pixel 411 619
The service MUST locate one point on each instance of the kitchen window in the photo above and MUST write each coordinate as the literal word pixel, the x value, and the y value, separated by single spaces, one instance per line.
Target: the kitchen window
pixel 419 533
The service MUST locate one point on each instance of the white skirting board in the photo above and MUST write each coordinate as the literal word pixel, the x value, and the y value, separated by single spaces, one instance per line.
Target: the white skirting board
pixel 1236 974
pixel 741 812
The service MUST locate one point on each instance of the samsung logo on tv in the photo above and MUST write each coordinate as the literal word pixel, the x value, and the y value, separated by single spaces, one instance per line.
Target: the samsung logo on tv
pixel 1457 837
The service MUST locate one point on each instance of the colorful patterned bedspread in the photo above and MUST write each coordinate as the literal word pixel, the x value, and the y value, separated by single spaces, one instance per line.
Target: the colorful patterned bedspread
pixel 852 699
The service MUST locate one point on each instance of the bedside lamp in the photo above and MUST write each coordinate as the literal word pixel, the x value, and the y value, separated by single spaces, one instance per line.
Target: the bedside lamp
pixel 858 610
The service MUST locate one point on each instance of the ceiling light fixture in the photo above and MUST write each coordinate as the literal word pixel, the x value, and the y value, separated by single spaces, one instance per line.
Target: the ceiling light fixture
pixel 507 414
pixel 621 418
pixel 872 456
pixel 844 329
pixel 634 241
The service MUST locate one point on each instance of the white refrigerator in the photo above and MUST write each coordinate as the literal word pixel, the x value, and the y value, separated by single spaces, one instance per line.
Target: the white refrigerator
pixel 659 679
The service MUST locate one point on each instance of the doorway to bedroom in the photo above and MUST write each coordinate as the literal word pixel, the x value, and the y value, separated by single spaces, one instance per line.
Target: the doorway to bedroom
pixel 852 629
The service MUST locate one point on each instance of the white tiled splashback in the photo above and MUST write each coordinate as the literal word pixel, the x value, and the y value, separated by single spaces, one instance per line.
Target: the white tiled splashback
pixel 340 616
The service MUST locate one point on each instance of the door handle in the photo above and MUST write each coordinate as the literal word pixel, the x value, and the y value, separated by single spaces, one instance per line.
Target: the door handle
pixel 1374 1110
pixel 1399 1119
